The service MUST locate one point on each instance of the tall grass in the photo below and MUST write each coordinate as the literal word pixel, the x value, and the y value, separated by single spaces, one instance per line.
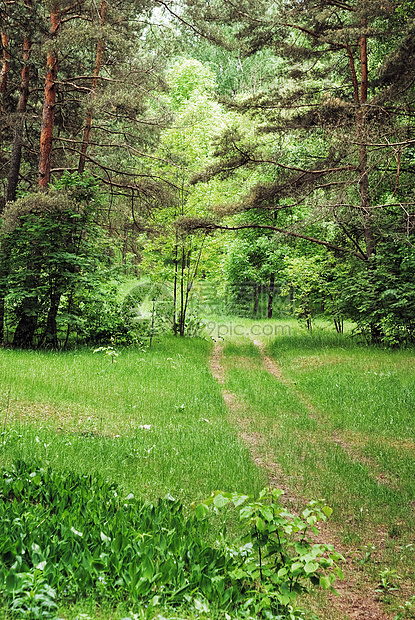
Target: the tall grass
pixel 154 421
pixel 339 424
pixel 360 388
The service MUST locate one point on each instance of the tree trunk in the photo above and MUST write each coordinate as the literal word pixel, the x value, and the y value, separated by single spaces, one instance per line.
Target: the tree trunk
pixel 50 336
pixel 16 155
pixel 25 331
pixel 292 299
pixel 256 299
pixel 88 124
pixel 189 284
pixel 5 67
pixel 271 294
pixel 48 114
pixel 176 270
pixel 13 175
pixel 182 271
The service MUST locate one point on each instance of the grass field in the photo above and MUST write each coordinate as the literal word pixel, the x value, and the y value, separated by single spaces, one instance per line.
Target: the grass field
pixel 338 421
pixel 155 422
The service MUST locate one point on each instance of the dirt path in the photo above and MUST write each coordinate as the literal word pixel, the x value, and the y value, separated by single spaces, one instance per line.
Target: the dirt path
pixel 355 601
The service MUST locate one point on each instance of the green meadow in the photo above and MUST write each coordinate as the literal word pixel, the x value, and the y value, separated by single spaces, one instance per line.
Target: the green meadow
pixel 336 420
pixel 153 421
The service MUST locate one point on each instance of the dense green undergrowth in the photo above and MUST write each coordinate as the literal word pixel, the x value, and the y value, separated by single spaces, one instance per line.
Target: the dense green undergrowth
pixel 67 536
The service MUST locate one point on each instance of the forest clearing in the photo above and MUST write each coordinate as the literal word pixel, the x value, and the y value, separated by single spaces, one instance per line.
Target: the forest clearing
pixel 312 414
pixel 207 309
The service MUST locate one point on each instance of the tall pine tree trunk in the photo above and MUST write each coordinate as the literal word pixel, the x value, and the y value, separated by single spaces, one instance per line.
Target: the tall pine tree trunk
pixel 48 114
pixel 15 160
pixel 88 123
pixel 16 154
pixel 5 66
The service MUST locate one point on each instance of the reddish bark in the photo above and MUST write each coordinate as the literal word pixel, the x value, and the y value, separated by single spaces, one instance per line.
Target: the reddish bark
pixel 5 66
pixel 88 123
pixel 48 115
pixel 354 75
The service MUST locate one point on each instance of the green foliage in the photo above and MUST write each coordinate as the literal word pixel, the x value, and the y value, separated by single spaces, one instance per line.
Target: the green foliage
pixel 188 78
pixel 388 580
pixel 67 536
pixel 278 551
pixel 407 610
pixel 85 540
pixel 108 352
pixel 55 262
pixel 380 297
pixel 316 287
pixel 31 596
pixel 316 65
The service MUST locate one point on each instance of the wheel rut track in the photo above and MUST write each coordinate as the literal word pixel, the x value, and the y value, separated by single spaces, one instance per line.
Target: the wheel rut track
pixel 351 602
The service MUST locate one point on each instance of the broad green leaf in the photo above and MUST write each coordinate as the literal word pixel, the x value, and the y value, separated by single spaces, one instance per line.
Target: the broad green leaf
pixel 220 501
pixel 311 567
pixel 201 511
pixel 260 524
pixel 325 582
pixel 327 510
pixel 296 566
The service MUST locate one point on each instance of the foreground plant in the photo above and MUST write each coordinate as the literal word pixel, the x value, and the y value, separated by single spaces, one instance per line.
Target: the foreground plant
pixel 109 352
pixel 68 537
pixel 279 559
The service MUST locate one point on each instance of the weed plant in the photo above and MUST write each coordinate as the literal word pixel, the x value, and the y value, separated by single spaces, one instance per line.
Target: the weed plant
pixel 68 536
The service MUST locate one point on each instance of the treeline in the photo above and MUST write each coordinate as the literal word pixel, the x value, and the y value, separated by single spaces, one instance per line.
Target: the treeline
pixel 311 169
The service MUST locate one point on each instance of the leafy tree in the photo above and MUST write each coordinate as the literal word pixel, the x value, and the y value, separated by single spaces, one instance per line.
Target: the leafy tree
pixel 88 109
pixel 178 255
pixel 54 253
pixel 96 86
pixel 334 139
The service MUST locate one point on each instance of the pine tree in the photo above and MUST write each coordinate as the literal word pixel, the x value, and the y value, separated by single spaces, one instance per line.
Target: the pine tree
pixel 335 125
pixel 83 104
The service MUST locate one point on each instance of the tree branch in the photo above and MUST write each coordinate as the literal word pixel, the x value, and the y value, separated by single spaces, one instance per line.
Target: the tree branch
pixel 331 246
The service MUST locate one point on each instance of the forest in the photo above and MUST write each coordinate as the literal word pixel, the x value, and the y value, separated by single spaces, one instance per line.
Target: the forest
pixel 207 309
pixel 258 156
